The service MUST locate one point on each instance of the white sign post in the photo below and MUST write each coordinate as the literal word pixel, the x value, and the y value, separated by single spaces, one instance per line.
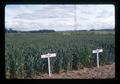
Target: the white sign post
pixel 97 51
pixel 48 56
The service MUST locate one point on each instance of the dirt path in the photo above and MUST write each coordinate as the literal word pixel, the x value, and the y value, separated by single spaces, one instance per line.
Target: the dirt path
pixel 106 71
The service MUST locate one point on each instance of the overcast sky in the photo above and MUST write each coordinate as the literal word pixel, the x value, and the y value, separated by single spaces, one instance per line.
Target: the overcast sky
pixel 59 17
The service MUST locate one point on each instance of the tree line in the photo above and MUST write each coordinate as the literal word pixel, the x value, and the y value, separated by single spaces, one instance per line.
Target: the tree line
pixel 10 30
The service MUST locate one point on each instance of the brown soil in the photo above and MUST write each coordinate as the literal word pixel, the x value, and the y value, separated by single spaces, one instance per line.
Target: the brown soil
pixel 103 72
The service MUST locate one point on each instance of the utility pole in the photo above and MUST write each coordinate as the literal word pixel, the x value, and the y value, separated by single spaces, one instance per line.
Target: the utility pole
pixel 75 19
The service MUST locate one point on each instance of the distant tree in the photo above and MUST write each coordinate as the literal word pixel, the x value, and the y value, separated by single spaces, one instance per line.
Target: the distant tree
pixel 92 29
pixel 12 31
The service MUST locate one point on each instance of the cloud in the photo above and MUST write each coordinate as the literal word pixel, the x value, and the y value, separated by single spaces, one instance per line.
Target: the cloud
pixel 102 17
pixel 59 17
pixel 51 11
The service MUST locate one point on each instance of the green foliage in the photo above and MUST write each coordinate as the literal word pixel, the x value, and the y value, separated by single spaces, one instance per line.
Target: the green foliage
pixel 74 51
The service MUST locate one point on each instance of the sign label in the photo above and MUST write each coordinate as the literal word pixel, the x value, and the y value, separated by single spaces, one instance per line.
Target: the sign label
pixel 48 56
pixel 97 51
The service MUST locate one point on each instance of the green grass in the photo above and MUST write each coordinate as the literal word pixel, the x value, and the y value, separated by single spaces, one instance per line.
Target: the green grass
pixel 74 51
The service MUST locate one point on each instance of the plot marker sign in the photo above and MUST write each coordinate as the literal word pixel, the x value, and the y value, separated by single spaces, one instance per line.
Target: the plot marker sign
pixel 97 51
pixel 48 56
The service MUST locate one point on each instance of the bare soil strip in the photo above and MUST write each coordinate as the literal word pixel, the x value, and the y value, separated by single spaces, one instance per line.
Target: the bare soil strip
pixel 103 72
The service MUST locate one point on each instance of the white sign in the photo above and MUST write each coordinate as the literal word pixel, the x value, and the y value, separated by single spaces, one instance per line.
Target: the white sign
pixel 48 56
pixel 97 51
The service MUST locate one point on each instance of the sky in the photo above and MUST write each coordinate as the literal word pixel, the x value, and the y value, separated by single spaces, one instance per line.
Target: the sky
pixel 59 17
